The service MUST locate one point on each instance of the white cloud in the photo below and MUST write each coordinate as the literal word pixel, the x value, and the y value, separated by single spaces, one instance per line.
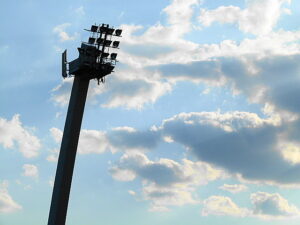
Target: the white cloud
pixel 179 14
pixel 265 206
pixel 62 92
pixel 122 174
pixel 226 141
pixel 273 206
pixel 234 188
pixel 222 206
pixel 12 132
pixel 80 11
pixel 51 182
pixel 53 157
pixel 117 139
pixel 57 137
pixel 92 141
pixel 133 89
pixel 162 198
pixel 159 56
pixel 291 152
pixel 259 18
pixel 30 170
pixel 56 134
pixel 165 182
pixel 60 30
pixel 7 204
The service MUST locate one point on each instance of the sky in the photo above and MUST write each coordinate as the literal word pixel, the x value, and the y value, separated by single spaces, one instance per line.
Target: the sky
pixel 199 123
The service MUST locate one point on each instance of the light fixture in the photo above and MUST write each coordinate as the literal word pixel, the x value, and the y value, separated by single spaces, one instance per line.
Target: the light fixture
pixel 110 31
pixel 100 41
pixel 103 29
pixel 107 43
pixel 104 54
pixel 116 44
pixel 94 28
pixel 118 32
pixel 113 56
pixel 92 40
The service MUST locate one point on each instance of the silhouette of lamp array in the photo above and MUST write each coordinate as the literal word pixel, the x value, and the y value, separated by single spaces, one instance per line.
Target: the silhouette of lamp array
pixel 94 61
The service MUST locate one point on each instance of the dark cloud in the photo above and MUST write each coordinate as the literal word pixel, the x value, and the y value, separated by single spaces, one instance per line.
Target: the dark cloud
pixel 239 142
pixel 162 173
pixel 249 150
pixel 272 79
pixel 127 138
pixel 277 78
pixel 287 95
pixel 201 70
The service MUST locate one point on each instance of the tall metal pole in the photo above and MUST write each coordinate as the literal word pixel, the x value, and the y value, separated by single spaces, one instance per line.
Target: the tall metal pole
pixel 67 155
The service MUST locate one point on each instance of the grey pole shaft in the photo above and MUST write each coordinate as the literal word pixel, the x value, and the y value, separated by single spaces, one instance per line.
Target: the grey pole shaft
pixel 67 155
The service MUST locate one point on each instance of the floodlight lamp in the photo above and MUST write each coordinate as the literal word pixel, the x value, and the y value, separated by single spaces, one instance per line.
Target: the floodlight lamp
pixel 92 40
pixel 116 44
pixel 104 54
pixel 94 28
pixel 103 29
pixel 118 32
pixel 110 31
pixel 107 43
pixel 113 56
pixel 100 41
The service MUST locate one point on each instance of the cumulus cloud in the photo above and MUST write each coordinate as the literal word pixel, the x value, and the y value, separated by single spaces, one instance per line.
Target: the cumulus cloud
pixel 235 141
pixel 222 206
pixel 269 81
pixel 272 206
pixel 128 138
pixel 61 93
pixel 131 89
pixel 157 57
pixel 7 204
pixel 275 81
pixel 30 170
pixel 14 135
pixel 264 206
pixel 179 14
pixel 60 30
pixel 92 141
pixel 117 139
pixel 259 17
pixel 53 157
pixel 165 181
pixel 234 188
pixel 56 134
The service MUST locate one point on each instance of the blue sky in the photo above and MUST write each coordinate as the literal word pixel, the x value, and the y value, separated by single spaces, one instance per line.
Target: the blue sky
pixel 199 123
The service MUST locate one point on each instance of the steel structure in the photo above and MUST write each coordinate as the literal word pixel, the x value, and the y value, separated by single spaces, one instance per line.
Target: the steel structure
pixel 94 62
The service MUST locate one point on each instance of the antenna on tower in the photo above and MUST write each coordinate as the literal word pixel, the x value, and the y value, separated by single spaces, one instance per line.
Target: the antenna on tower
pixel 64 64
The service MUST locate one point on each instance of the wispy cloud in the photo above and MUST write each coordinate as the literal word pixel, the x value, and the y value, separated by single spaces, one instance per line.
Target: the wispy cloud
pixel 12 132
pixel 7 204
pixel 60 30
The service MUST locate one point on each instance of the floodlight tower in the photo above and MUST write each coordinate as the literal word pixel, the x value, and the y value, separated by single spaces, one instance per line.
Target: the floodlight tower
pixel 94 62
